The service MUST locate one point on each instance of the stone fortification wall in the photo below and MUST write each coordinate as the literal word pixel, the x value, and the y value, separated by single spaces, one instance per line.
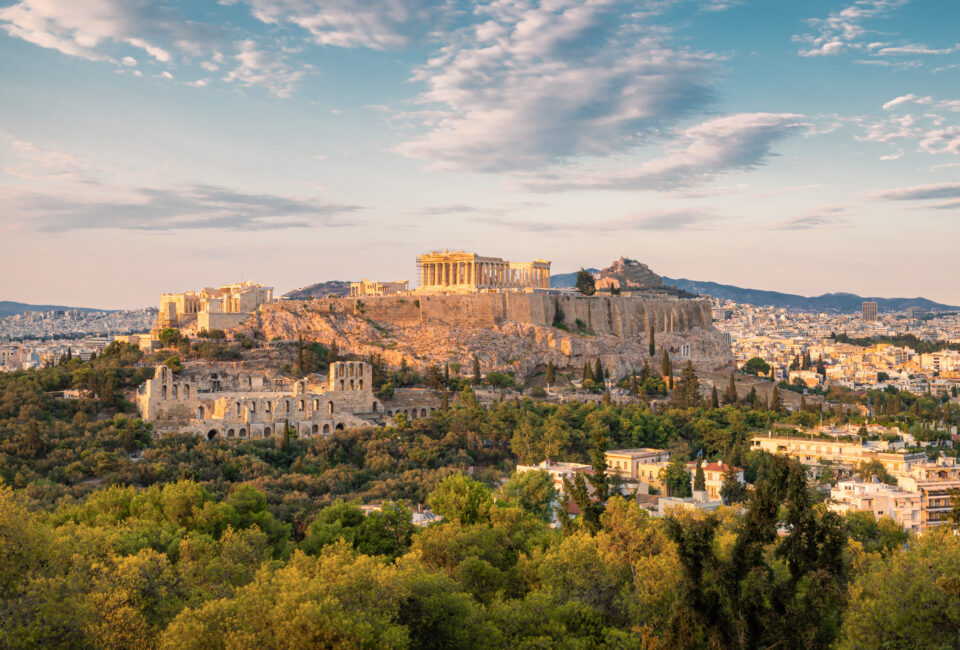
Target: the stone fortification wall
pixel 623 316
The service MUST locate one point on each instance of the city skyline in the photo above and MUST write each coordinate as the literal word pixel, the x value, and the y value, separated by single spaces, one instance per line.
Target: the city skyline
pixel 148 147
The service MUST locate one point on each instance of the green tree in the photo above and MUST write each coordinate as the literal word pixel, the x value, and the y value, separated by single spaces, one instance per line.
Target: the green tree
pixel 732 490
pixel 676 478
pixel 585 283
pixel 699 480
pixel 499 381
pixel 652 346
pixel 170 337
pixel 756 366
pixel 730 395
pixel 714 398
pixel 776 402
pixel 666 368
pixel 926 573
pixel 549 376
pixel 476 378
pixel 532 491
pixel 461 499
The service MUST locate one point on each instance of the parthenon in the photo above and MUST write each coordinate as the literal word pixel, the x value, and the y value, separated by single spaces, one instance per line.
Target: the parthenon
pixel 463 272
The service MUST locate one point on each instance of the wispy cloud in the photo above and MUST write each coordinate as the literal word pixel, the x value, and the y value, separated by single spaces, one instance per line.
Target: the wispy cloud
pixel 534 83
pixel 922 192
pixel 733 142
pixel 822 217
pixel 177 208
pixel 844 30
pixel 680 220
pixel 375 24
pixel 56 191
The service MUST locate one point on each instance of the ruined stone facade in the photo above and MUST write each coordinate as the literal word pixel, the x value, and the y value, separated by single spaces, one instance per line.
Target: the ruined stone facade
pixel 445 272
pixel 213 308
pixel 219 402
pixel 366 288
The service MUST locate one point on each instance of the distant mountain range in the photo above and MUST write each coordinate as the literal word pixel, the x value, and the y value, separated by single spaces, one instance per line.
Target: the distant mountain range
pixel 9 308
pixel 828 302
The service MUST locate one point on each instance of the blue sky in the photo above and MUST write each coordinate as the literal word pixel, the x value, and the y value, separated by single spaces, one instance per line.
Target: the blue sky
pixel 797 146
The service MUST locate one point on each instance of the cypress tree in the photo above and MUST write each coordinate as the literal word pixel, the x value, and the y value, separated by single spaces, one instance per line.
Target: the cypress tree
pixel 653 344
pixel 598 374
pixel 666 367
pixel 587 371
pixel 476 371
pixel 776 404
pixel 699 480
pixel 714 398
pixel 550 374
pixel 730 396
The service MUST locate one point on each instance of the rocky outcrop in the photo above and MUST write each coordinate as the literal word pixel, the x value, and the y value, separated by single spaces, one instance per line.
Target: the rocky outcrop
pixel 505 331
pixel 631 274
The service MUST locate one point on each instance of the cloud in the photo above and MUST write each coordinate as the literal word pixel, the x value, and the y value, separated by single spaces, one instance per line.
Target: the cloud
pixel 375 24
pixel 823 217
pixel 948 104
pixel 681 220
pixel 733 142
pixel 913 49
pixel 163 209
pixel 919 192
pixel 57 191
pixel 843 30
pixel 256 67
pixel 129 61
pixel 92 30
pixel 533 83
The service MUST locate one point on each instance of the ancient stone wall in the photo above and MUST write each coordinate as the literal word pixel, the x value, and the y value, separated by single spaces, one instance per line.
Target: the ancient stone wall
pixel 622 316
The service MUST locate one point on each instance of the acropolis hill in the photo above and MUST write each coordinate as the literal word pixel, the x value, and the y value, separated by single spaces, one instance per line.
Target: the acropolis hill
pixel 502 312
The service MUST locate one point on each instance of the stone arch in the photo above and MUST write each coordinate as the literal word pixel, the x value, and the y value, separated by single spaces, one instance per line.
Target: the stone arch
pixel 268 406
pixel 212 433
pixel 316 405
pixel 330 408
pixel 266 431
pixel 375 407
pixel 339 426
pixel 360 385
pixel 173 392
pixel 253 407
pixel 301 405
pixel 326 428
pixel 230 433
pixel 199 412
pixel 351 384
pixel 186 391
pixel 314 429
pixel 423 413
pixel 243 432
pixel 239 407
pixel 163 392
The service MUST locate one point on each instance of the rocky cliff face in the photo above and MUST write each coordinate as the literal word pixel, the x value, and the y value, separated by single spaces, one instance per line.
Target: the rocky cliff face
pixel 452 331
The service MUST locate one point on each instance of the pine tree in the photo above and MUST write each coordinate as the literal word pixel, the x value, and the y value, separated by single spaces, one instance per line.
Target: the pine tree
pixel 699 480
pixel 730 396
pixel 776 404
pixel 653 343
pixel 666 368
pixel 550 375
pixel 476 371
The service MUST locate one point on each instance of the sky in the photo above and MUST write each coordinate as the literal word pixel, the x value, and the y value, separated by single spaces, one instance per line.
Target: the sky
pixel 152 146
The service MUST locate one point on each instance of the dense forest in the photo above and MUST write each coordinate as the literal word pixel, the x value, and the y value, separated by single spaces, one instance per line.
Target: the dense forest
pixel 110 537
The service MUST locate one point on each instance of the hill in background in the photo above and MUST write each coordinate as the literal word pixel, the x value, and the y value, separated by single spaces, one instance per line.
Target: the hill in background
pixel 337 288
pixel 10 308
pixel 640 275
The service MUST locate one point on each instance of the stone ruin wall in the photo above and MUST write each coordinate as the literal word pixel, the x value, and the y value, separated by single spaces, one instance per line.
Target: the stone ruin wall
pixel 622 316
